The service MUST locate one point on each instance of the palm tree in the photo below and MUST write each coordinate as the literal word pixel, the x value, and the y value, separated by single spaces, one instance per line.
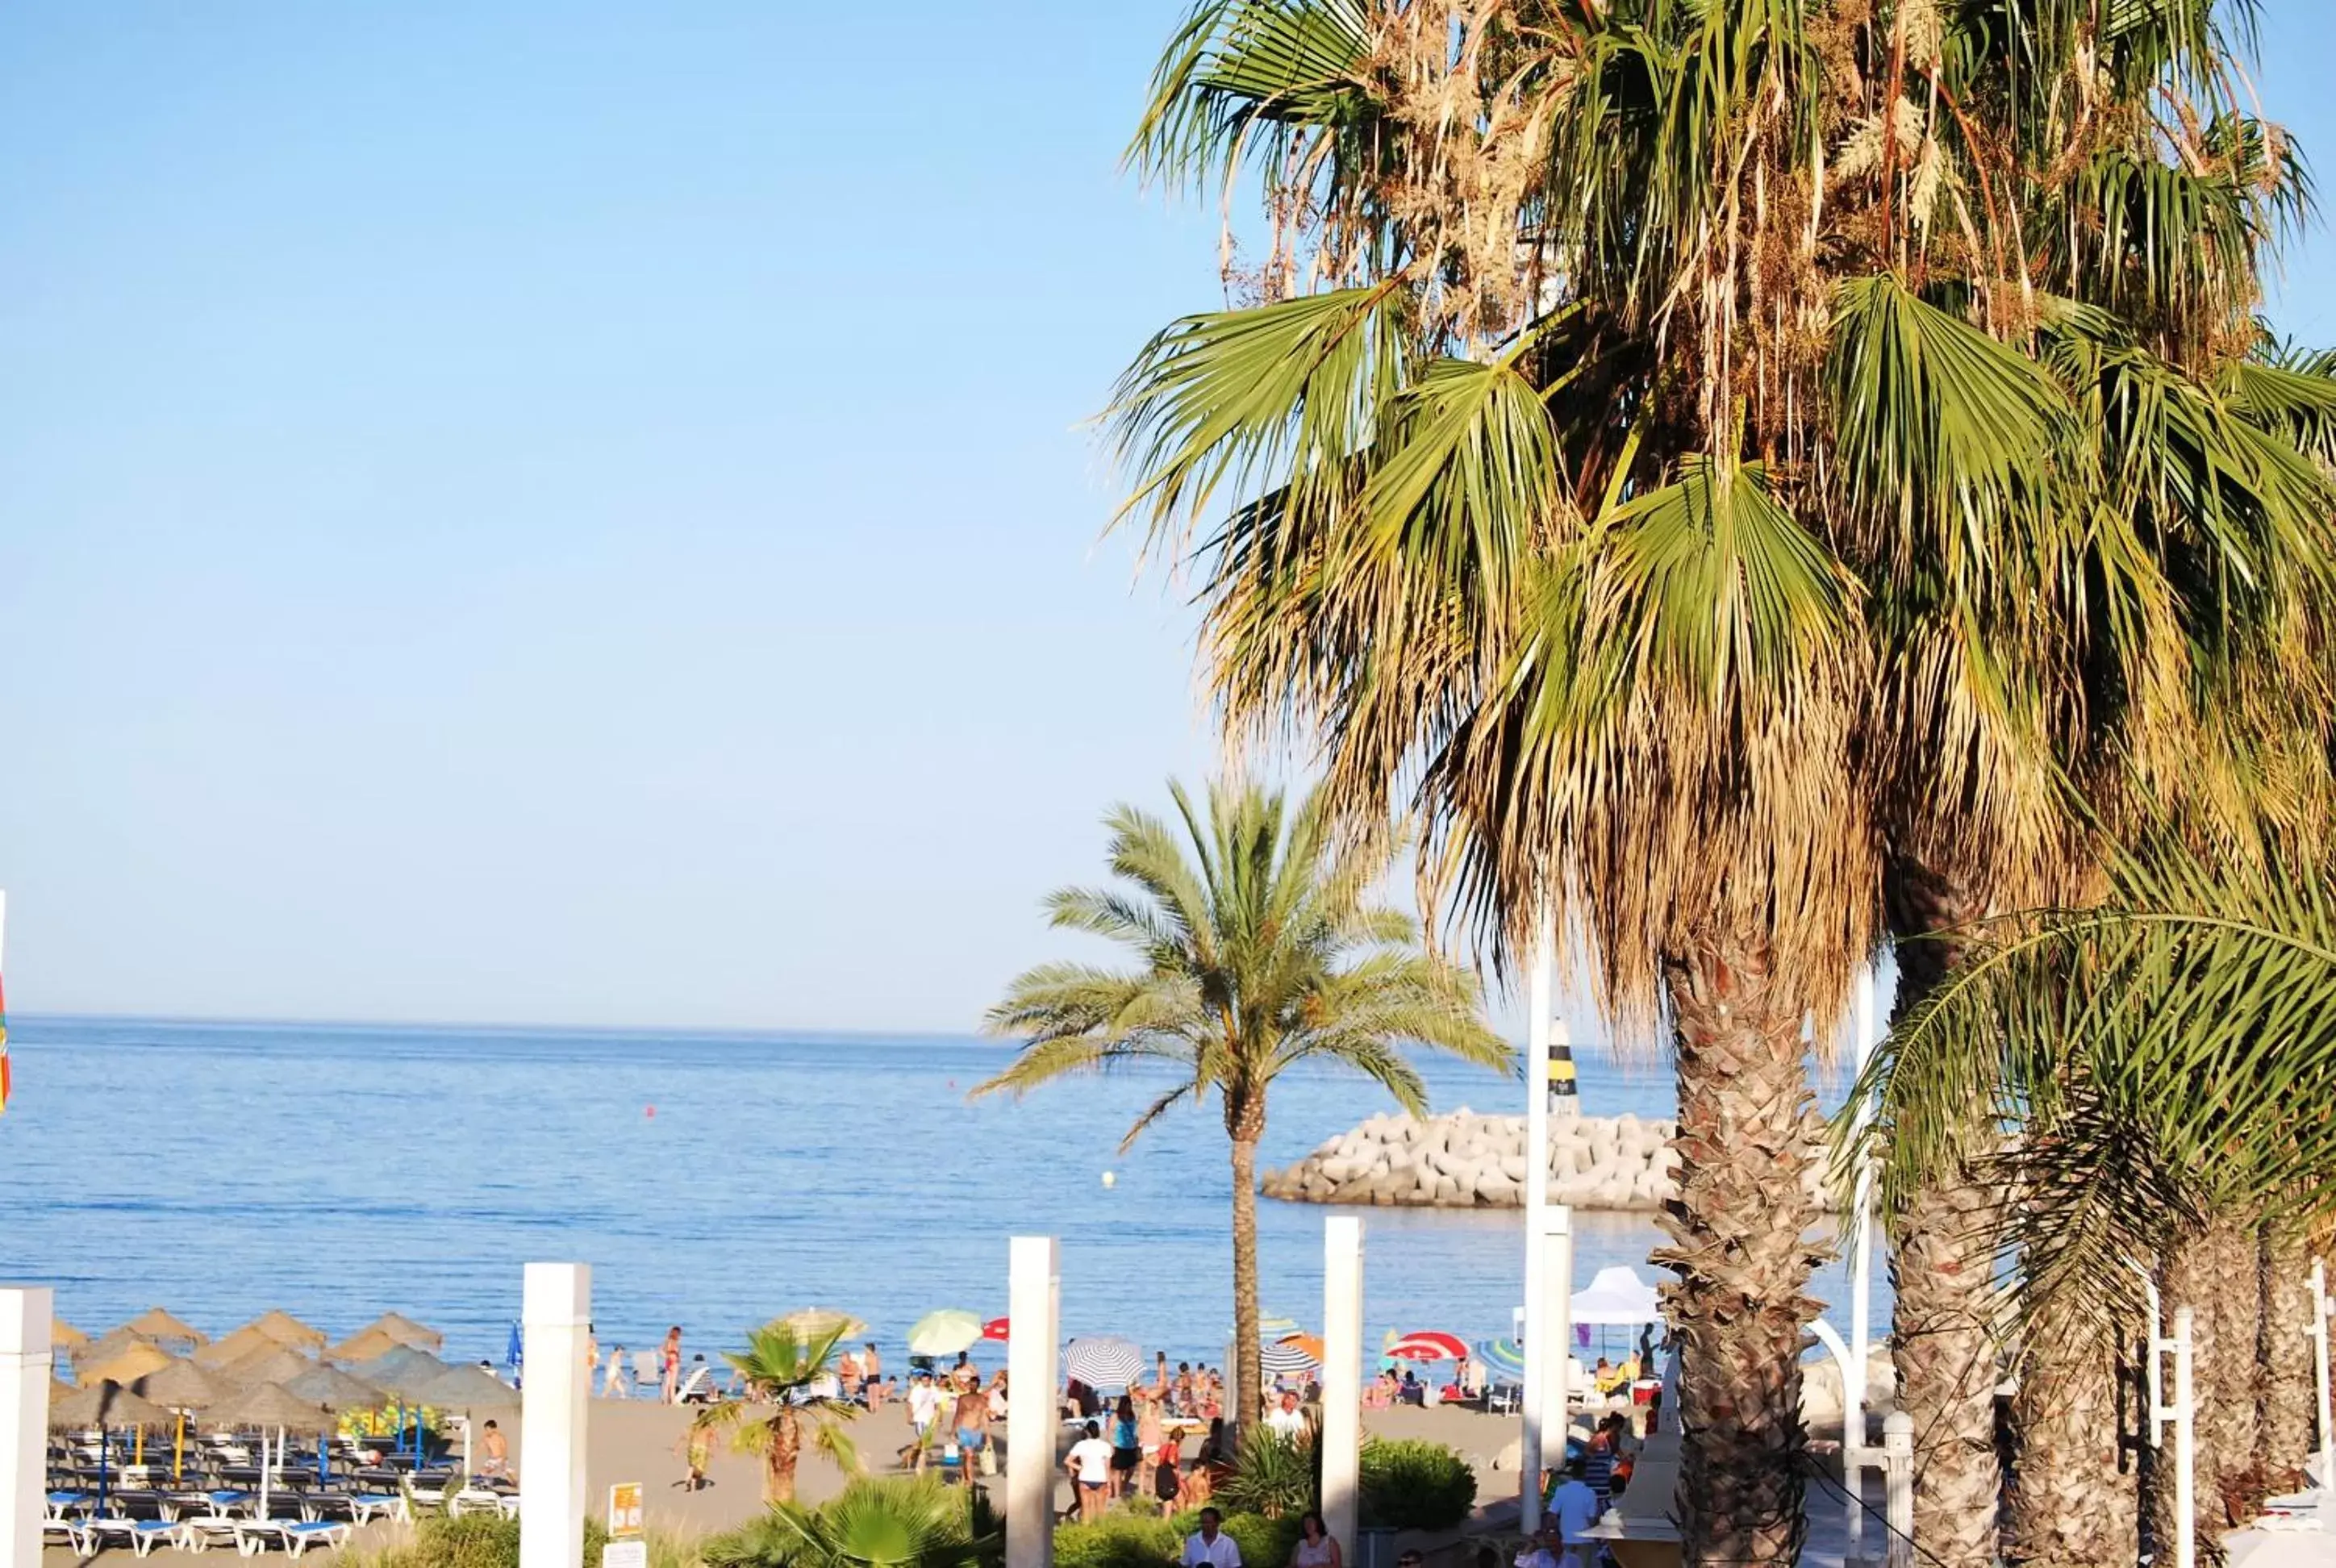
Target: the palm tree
pixel 2165 1065
pixel 915 1522
pixel 782 1367
pixel 1257 953
pixel 1710 461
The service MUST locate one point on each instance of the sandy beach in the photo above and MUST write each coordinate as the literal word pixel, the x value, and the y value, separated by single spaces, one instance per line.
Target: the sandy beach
pixel 640 1440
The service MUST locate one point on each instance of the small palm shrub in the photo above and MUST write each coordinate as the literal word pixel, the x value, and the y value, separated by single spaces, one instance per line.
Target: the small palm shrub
pixel 1410 1484
pixel 1275 1476
pixel 907 1521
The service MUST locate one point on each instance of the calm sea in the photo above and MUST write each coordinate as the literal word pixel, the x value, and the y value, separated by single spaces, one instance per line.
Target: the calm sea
pixel 223 1168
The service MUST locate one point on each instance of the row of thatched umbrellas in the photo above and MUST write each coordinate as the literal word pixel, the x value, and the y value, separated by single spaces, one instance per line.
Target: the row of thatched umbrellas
pixel 274 1373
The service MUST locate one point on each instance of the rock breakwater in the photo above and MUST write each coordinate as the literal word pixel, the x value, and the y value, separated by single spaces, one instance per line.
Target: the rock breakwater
pixel 1465 1160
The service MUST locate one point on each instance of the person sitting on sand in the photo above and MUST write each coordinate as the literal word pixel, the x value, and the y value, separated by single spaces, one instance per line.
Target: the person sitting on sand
pixel 997 1386
pixel 847 1376
pixel 494 1449
pixel 1089 1463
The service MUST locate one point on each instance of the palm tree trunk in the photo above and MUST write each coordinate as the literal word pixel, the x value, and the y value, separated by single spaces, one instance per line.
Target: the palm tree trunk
pixel 1245 1120
pixel 779 1470
pixel 1739 1233
pixel 2227 1434
pixel 1941 1260
pixel 2288 1407
pixel 2072 1508
pixel 2212 1264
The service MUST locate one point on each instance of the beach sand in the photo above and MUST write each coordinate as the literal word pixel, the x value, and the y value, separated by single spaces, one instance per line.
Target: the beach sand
pixel 640 1440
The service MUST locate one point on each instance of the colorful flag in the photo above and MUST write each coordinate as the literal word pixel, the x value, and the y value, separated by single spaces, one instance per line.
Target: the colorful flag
pixel 4 1051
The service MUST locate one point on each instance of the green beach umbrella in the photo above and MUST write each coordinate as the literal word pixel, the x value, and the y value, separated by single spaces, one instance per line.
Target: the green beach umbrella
pixel 944 1333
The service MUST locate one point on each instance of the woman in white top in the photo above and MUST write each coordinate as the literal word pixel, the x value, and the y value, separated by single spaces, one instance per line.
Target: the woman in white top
pixel 1315 1549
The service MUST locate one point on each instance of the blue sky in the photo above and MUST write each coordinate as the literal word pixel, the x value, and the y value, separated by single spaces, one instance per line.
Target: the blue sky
pixel 582 512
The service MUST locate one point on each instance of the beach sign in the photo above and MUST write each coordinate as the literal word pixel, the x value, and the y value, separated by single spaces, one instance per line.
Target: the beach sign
pixel 632 1553
pixel 624 1512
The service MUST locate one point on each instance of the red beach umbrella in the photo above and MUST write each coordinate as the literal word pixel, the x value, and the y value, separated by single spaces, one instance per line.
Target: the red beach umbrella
pixel 1428 1344
pixel 996 1329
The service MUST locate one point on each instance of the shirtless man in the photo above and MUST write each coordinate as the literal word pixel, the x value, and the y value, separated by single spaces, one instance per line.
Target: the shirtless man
pixel 495 1453
pixel 971 1420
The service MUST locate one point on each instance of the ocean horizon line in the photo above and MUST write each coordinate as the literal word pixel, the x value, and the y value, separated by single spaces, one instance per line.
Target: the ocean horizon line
pixel 741 1032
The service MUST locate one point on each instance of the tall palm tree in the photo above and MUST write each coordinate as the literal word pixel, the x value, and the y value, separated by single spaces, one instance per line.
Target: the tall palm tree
pixel 2165 1065
pixel 784 1367
pixel 1698 456
pixel 1257 952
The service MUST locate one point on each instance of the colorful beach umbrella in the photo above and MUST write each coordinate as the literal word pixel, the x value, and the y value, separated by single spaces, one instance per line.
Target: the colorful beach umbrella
pixel 1427 1345
pixel 812 1322
pixel 1283 1358
pixel 1310 1343
pixel 999 1329
pixel 1504 1356
pixel 944 1332
pixel 1276 1325
pixel 1104 1361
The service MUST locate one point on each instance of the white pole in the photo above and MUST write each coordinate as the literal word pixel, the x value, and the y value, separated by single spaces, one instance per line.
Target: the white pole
pixel 25 1373
pixel 556 1316
pixel 2320 1386
pixel 2185 1467
pixel 1034 1308
pixel 1342 1378
pixel 1540 1003
pixel 1861 1283
pixel 1898 1487
pixel 1553 1340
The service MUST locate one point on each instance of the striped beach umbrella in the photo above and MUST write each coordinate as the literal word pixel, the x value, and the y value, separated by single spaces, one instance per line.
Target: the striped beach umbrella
pixel 1281 1358
pixel 1506 1357
pixel 1104 1361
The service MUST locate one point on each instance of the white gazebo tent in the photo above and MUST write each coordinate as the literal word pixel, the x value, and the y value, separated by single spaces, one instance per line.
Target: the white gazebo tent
pixel 1617 1296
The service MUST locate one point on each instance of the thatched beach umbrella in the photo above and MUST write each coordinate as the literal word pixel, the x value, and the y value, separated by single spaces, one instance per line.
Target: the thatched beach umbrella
pixel 812 1322
pixel 184 1388
pixel 405 1372
pixel 465 1390
pixel 106 1407
pixel 271 1405
pixel 389 1329
pixel 107 1346
pixel 158 1323
pixel 288 1331
pixel 275 1364
pixel 63 1336
pixel 334 1390
pixel 233 1347
pixel 128 1366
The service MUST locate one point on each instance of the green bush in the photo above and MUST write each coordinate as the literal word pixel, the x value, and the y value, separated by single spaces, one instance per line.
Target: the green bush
pixel 1120 1541
pixel 1411 1484
pixel 491 1540
pixel 1274 1475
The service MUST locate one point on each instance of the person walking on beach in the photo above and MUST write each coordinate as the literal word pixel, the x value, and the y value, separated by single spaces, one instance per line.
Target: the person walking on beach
pixel 615 1385
pixel 1089 1463
pixel 1126 1453
pixel 496 1451
pixel 1148 1429
pixel 1573 1508
pixel 1209 1546
pixel 670 1388
pixel 696 1449
pixel 591 1356
pixel 971 1420
pixel 1315 1549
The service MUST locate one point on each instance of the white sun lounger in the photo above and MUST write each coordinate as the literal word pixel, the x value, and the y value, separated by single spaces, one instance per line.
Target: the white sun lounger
pixel 142 1534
